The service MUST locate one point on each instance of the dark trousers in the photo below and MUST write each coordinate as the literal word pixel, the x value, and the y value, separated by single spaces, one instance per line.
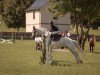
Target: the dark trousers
pixel 80 42
pixel 91 47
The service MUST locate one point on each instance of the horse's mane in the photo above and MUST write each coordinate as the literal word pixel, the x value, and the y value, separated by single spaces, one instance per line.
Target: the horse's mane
pixel 41 30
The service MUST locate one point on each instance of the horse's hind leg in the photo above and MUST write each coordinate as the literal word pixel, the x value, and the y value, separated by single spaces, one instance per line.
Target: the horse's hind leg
pixel 75 53
pixel 77 57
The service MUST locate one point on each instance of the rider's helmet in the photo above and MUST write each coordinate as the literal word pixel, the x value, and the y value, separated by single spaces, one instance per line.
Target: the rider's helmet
pixel 51 23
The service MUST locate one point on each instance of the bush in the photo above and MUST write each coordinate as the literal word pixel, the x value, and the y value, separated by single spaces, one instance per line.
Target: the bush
pixel 95 25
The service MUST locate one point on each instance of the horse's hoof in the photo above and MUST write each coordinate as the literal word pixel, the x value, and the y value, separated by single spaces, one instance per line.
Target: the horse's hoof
pixel 79 62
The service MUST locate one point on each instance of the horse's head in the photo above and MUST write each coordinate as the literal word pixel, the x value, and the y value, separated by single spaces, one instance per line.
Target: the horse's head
pixel 43 31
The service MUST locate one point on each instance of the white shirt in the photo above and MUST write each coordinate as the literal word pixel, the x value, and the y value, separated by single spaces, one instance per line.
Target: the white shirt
pixel 68 34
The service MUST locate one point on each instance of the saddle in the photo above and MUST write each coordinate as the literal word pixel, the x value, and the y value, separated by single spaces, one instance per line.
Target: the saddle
pixel 56 37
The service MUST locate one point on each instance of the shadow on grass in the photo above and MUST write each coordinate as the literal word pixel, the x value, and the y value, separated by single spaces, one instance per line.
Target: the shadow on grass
pixel 67 63
pixel 93 52
pixel 97 52
pixel 62 63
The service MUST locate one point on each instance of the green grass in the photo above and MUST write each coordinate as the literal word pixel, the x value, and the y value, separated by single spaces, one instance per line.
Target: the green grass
pixel 21 58
pixel 96 32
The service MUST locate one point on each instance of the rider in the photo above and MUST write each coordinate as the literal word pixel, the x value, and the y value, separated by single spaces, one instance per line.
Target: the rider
pixel 54 30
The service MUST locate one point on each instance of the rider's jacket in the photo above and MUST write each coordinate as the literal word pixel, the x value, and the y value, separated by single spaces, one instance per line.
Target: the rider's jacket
pixel 54 28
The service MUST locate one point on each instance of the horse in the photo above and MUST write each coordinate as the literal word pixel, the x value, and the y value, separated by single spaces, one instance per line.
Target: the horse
pixel 63 42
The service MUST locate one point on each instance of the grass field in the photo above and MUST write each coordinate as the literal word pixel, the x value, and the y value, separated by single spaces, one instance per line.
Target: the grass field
pixel 96 32
pixel 21 58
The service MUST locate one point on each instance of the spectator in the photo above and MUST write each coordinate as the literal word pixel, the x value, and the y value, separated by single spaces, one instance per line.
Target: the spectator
pixel 63 34
pixel 33 33
pixel 92 42
pixel 67 34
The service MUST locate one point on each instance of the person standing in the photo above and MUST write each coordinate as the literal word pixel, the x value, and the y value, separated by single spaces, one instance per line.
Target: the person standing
pixel 92 42
pixel 68 34
pixel 33 33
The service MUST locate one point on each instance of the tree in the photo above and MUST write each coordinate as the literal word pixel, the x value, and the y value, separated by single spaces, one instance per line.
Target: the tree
pixel 80 10
pixel 14 12
pixel 1 5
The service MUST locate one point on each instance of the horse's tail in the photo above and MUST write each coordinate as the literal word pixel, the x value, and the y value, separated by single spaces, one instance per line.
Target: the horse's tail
pixel 78 47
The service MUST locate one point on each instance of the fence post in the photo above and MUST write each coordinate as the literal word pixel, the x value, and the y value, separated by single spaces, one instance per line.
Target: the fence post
pixel 21 37
pixel 13 37
pixel 0 34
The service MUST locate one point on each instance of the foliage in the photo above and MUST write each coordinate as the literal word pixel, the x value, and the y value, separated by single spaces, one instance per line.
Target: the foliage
pixel 0 6
pixel 96 23
pixel 14 12
pixel 81 8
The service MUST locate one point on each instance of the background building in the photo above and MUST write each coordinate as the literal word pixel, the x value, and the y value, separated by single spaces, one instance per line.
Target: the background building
pixel 37 15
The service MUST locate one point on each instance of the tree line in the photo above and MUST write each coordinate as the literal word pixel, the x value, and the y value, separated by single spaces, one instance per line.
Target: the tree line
pixel 13 12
